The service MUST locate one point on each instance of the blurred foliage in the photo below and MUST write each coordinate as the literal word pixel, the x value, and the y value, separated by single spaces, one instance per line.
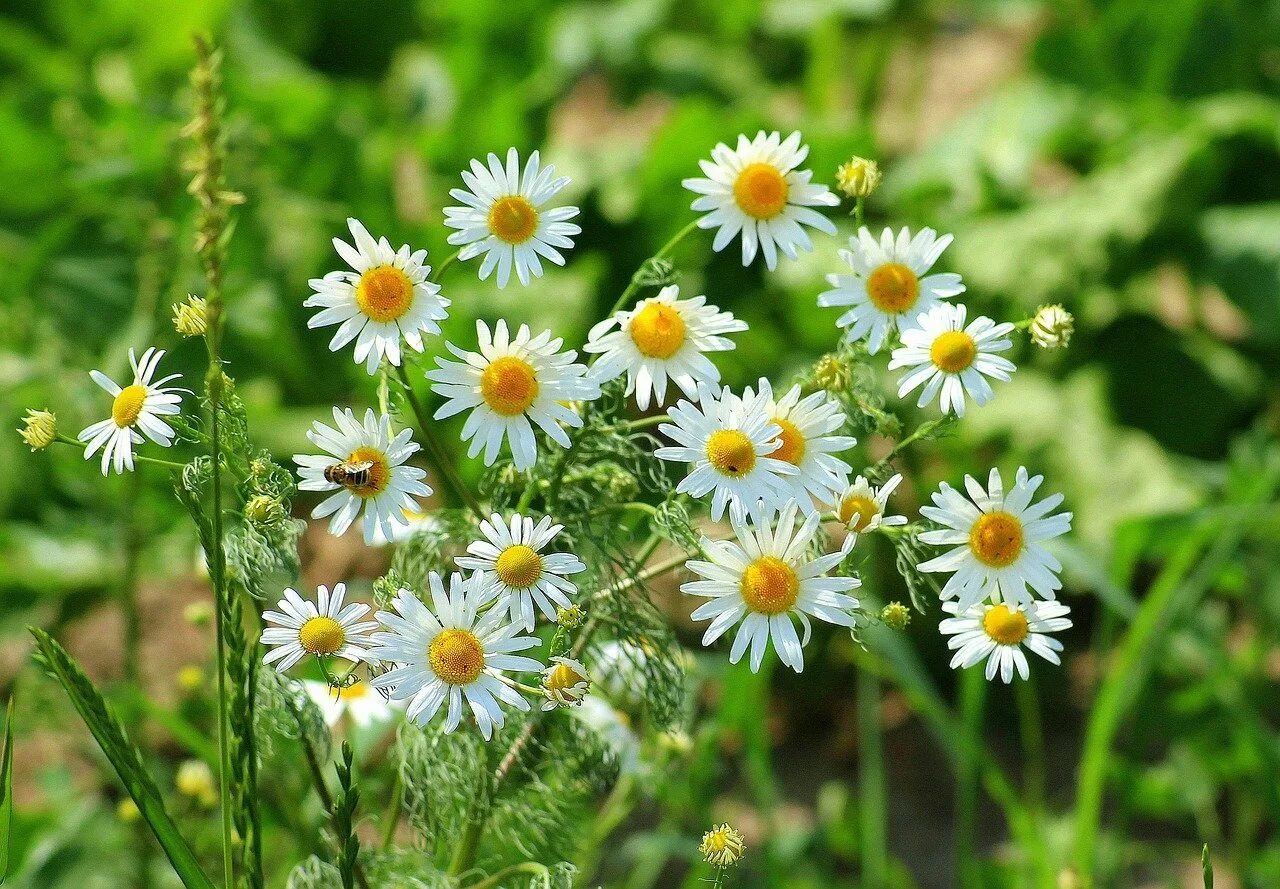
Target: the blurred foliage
pixel 1117 156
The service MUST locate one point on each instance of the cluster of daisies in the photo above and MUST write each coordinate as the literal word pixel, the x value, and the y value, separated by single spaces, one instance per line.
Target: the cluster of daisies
pixel 770 461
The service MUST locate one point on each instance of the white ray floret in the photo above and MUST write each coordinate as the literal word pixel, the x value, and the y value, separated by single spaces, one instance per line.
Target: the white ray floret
pixel 862 507
pixel 664 338
pixel 756 191
pixel 998 634
pixel 324 628
pixel 951 360
pixel 763 580
pixel 137 406
pixel 360 701
pixel 998 541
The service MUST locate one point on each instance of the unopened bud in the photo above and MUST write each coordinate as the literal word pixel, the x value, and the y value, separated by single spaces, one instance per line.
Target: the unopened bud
pixel 191 318
pixel 896 616
pixel 39 429
pixel 858 177
pixel 1052 326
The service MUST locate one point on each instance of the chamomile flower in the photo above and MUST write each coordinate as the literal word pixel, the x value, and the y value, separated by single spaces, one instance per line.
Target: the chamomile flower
pixel 447 654
pixel 663 338
pixel 137 406
pixel 360 701
pixel 998 634
pixel 387 297
pixel 998 541
pixel 515 570
pixel 757 191
pixel 565 682
pixel 323 628
pixel 503 217
pixel 508 383
pixel 728 443
pixel 365 465
pixel 807 442
pixel 952 359
pixel 889 288
pixel 762 580
pixel 862 506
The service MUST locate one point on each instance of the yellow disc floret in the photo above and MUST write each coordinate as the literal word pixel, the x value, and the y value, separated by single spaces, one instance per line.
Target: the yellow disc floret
pixel 769 585
pixel 793 444
pixel 858 511
pixel 893 288
pixel 456 656
pixel 731 452
pixel 657 330
pixel 509 386
pixel 513 219
pixel 761 191
pixel 384 293
pixel 379 472
pixel 128 405
pixel 953 351
pixel 519 566
pixel 1004 625
pixel 321 635
pixel 996 539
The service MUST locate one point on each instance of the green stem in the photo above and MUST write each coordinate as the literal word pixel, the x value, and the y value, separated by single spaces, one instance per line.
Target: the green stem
pixel 973 694
pixel 439 455
pixel 858 211
pixel 438 272
pixel 525 867
pixel 872 783
pixel 391 818
pixel 139 458
pixel 637 279
pixel 1032 732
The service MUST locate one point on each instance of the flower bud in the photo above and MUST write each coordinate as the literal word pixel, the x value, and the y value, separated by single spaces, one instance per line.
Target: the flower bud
pixel 565 683
pixel 191 318
pixel 896 616
pixel 195 779
pixel 198 614
pixel 264 509
pixel 722 846
pixel 190 678
pixel 831 373
pixel 569 618
pixel 39 429
pixel 127 811
pixel 1052 326
pixel 858 177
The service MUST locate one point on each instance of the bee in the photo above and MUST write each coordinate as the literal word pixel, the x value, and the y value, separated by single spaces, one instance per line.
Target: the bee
pixel 348 474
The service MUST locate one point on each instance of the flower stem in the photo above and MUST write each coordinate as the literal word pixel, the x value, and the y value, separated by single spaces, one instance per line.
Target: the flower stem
pixel 637 279
pixel 439 455
pixel 155 461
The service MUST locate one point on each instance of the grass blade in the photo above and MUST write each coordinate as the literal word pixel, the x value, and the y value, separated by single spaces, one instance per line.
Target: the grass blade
pixel 125 758
pixel 6 793
pixel 1207 865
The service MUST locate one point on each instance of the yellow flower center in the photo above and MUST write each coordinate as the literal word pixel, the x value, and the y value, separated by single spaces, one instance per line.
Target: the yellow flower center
pixel 321 635
pixel 793 444
pixel 996 539
pixel 509 386
pixel 1004 625
pixel 513 219
pixel 658 331
pixel 858 511
pixel 128 405
pixel 893 288
pixel 456 656
pixel 354 691
pixel 384 293
pixel 731 452
pixel 761 191
pixel 953 351
pixel 769 585
pixel 519 567
pixel 379 472
pixel 561 677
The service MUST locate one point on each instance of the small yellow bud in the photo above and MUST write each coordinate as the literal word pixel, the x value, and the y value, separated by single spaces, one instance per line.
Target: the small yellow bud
pixel 191 318
pixel 39 429
pixel 570 617
pixel 565 683
pixel 195 779
pixel 858 177
pixel 190 678
pixel 127 811
pixel 896 616
pixel 831 373
pixel 722 846
pixel 198 614
pixel 1052 326
pixel 264 510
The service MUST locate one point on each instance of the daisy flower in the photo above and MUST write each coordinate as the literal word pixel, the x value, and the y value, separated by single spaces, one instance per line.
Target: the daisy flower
pixel 763 579
pixel 756 189
pixel 807 442
pixel 360 701
pixel 663 338
pixel 998 543
pixel 446 654
pixel 565 682
pixel 504 220
pixel 889 288
pixel 324 629
pixel 387 297
pixel 515 570
pixel 728 442
pixel 365 465
pixel 998 633
pixel 861 507
pixel 508 383
pixel 953 359
pixel 140 405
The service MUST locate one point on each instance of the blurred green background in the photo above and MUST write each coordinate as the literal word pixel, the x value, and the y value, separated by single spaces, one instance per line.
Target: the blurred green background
pixel 1119 156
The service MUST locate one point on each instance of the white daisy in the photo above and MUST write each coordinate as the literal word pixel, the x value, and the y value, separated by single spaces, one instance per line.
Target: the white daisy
pixel 728 442
pixel 140 405
pixel 998 633
pixel 662 338
pixel 446 653
pixel 324 630
pixel 807 442
pixel 359 700
pixel 503 217
pixel 565 682
pixel 517 573
pixel 507 384
pixel 417 521
pixel 998 543
pixel 951 358
pixel 889 289
pixel 756 189
pixel 862 506
pixel 387 297
pixel 765 577
pixel 376 478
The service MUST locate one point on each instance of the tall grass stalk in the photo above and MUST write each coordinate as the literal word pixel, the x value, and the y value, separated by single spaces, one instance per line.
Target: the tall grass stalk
pixel 973 698
pixel 873 798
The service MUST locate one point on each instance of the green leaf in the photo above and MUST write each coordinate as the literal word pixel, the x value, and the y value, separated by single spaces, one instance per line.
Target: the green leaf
pixel 1207 864
pixel 124 756
pixel 6 793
